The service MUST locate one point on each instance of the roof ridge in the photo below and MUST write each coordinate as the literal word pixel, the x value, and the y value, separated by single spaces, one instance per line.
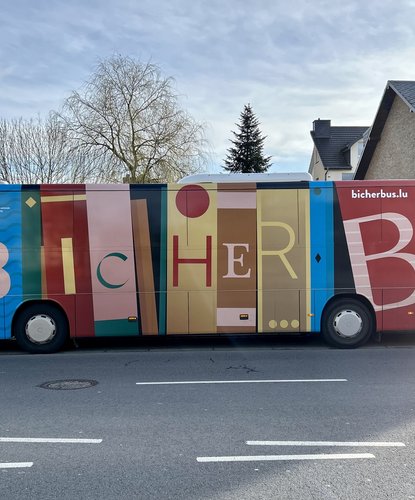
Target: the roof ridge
pixel 404 90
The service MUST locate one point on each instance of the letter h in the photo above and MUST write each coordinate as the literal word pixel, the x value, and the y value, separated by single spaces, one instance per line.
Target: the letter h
pixel 207 261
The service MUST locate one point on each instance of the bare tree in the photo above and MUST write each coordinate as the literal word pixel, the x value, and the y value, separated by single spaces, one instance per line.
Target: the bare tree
pixel 129 114
pixel 41 151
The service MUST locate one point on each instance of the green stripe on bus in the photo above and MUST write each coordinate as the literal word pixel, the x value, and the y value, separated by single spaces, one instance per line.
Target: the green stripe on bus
pixel 31 244
pixel 116 328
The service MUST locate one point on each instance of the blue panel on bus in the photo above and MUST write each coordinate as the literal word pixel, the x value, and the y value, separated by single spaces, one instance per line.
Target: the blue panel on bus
pixel 10 254
pixel 322 248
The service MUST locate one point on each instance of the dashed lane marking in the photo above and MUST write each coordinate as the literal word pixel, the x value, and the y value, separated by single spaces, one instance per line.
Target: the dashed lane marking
pixel 15 465
pixel 48 440
pixel 263 458
pixel 327 443
pixel 281 381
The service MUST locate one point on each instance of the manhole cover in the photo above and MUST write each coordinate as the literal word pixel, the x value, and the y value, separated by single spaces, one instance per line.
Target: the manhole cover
pixel 68 385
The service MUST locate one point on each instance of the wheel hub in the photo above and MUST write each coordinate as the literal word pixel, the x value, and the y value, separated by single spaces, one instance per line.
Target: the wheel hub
pixel 348 323
pixel 40 329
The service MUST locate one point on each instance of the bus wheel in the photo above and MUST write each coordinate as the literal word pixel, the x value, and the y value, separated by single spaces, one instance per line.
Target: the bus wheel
pixel 41 328
pixel 347 323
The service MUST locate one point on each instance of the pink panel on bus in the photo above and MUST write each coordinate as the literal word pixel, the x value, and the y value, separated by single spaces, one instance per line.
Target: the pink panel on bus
pixel 111 252
pixel 236 200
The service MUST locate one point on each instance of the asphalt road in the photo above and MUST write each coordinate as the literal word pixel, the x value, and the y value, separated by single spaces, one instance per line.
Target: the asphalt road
pixel 276 420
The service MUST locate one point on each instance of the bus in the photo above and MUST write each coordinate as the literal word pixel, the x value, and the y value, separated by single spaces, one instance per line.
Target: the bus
pixel 260 254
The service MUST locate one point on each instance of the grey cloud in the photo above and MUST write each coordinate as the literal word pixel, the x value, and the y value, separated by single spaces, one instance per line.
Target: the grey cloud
pixel 293 61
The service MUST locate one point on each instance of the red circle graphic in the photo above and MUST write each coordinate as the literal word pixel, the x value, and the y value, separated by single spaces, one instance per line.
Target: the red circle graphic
pixel 192 201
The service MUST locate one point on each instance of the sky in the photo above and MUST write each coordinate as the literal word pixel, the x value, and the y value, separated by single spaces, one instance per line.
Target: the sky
pixel 293 61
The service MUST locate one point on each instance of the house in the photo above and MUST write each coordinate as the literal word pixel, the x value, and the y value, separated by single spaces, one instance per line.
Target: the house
pixel 390 148
pixel 336 150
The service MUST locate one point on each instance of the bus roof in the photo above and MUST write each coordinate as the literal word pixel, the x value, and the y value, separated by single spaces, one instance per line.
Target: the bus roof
pixel 267 177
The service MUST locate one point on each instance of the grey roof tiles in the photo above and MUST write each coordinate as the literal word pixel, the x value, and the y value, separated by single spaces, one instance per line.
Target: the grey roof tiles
pixel 333 149
pixel 406 90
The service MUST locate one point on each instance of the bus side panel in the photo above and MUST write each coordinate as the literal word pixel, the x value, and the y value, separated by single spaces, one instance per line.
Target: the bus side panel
pixel 343 275
pixel 58 268
pixel 398 224
pixel 192 258
pixel 112 260
pixel 82 268
pixel 149 215
pixel 322 248
pixel 379 220
pixel 10 255
pixel 31 242
pixel 283 232
pixel 162 318
pixel 237 275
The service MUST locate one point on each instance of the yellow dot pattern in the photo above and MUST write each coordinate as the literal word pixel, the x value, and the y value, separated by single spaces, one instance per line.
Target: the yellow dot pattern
pixel 284 324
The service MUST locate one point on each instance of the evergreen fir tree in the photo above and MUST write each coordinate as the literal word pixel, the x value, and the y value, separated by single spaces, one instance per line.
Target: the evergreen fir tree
pixel 246 156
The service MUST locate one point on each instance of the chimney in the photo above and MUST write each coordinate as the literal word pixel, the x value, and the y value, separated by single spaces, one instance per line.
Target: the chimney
pixel 321 129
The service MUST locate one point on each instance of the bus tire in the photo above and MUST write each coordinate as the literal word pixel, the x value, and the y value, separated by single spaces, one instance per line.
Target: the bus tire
pixel 347 323
pixel 41 328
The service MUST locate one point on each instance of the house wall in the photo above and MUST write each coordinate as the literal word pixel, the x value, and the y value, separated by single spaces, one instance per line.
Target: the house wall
pixel 318 167
pixel 334 175
pixel 394 156
pixel 355 154
pixel 319 173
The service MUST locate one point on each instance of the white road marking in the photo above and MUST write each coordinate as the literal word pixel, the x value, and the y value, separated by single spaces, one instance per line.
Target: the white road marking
pixel 48 440
pixel 15 465
pixel 325 443
pixel 262 458
pixel 245 381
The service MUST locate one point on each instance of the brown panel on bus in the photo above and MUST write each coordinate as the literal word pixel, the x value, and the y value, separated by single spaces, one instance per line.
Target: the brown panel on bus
pixel 144 267
pixel 236 281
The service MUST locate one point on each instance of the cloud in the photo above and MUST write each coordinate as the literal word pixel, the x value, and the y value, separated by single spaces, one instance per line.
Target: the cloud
pixel 294 62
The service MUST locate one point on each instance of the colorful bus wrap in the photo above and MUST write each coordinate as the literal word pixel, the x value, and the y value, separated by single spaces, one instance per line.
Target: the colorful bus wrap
pixel 214 258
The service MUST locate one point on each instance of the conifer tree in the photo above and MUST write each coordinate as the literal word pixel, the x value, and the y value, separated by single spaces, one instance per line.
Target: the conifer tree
pixel 246 156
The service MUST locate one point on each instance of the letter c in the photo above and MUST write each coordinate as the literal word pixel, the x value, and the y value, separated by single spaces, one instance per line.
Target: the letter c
pixel 99 274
